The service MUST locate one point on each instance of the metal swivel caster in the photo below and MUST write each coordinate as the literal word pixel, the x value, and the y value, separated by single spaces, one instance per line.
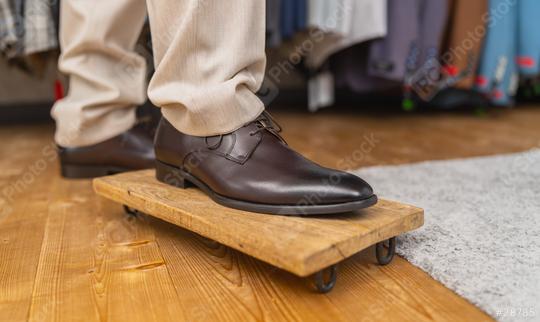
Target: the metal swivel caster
pixel 380 250
pixel 325 280
pixel 131 211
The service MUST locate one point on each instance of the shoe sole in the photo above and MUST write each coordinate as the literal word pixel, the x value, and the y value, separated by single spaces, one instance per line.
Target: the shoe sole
pixel 175 177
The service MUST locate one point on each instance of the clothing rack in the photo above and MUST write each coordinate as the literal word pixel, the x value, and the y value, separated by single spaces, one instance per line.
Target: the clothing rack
pixel 440 53
pixel 435 53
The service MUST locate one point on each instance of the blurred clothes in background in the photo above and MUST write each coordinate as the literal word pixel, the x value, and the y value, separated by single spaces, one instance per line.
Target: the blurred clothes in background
pixel 273 28
pixel 414 30
pixel 28 30
pixel 464 39
pixel 428 51
pixel 11 27
pixel 497 74
pixel 434 50
pixel 293 17
pixel 345 23
pixel 40 32
pixel 529 38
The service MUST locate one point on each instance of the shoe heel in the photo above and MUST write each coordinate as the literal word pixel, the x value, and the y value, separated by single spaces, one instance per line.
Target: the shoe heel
pixel 83 172
pixel 171 176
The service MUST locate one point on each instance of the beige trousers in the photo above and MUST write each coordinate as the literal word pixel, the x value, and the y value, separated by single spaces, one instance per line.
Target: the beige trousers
pixel 209 57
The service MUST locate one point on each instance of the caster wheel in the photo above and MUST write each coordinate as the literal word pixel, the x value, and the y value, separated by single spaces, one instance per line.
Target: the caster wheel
pixel 380 250
pixel 325 280
pixel 131 211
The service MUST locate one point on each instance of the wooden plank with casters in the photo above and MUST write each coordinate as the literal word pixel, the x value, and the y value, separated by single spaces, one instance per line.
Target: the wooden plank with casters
pixel 303 246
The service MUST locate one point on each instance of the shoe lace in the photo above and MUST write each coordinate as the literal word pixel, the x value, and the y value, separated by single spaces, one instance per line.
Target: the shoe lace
pixel 265 122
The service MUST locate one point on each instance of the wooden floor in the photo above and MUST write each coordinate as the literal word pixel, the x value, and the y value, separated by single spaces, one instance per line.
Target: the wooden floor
pixel 67 255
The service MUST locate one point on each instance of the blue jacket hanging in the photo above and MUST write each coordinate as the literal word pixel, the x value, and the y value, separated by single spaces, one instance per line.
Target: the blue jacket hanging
pixel 497 75
pixel 293 17
pixel 529 38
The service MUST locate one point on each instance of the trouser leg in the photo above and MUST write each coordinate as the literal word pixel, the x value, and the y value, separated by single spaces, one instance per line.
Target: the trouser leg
pixel 210 61
pixel 107 79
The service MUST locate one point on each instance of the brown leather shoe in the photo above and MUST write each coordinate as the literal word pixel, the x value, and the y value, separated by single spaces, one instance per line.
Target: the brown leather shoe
pixel 131 150
pixel 253 169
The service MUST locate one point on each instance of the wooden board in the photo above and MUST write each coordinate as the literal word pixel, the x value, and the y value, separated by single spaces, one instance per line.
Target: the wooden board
pixel 300 245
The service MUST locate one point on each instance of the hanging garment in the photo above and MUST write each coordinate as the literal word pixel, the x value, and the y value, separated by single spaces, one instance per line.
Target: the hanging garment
pixel 433 20
pixel 349 68
pixel 529 39
pixel 497 73
pixel 11 27
pixel 344 23
pixel 465 38
pixel 425 78
pixel 388 56
pixel 273 30
pixel 40 33
pixel 27 27
pixel 293 17
pixel 55 14
pixel 414 36
pixel 332 17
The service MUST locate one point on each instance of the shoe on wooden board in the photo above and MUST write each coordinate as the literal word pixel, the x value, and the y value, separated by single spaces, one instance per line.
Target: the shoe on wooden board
pixel 302 245
pixel 253 169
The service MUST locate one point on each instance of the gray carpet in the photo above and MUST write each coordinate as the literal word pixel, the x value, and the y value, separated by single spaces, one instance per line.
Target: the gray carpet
pixel 482 227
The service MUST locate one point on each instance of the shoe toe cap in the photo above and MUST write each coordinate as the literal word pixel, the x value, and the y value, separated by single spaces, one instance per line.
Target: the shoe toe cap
pixel 348 187
pixel 335 187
